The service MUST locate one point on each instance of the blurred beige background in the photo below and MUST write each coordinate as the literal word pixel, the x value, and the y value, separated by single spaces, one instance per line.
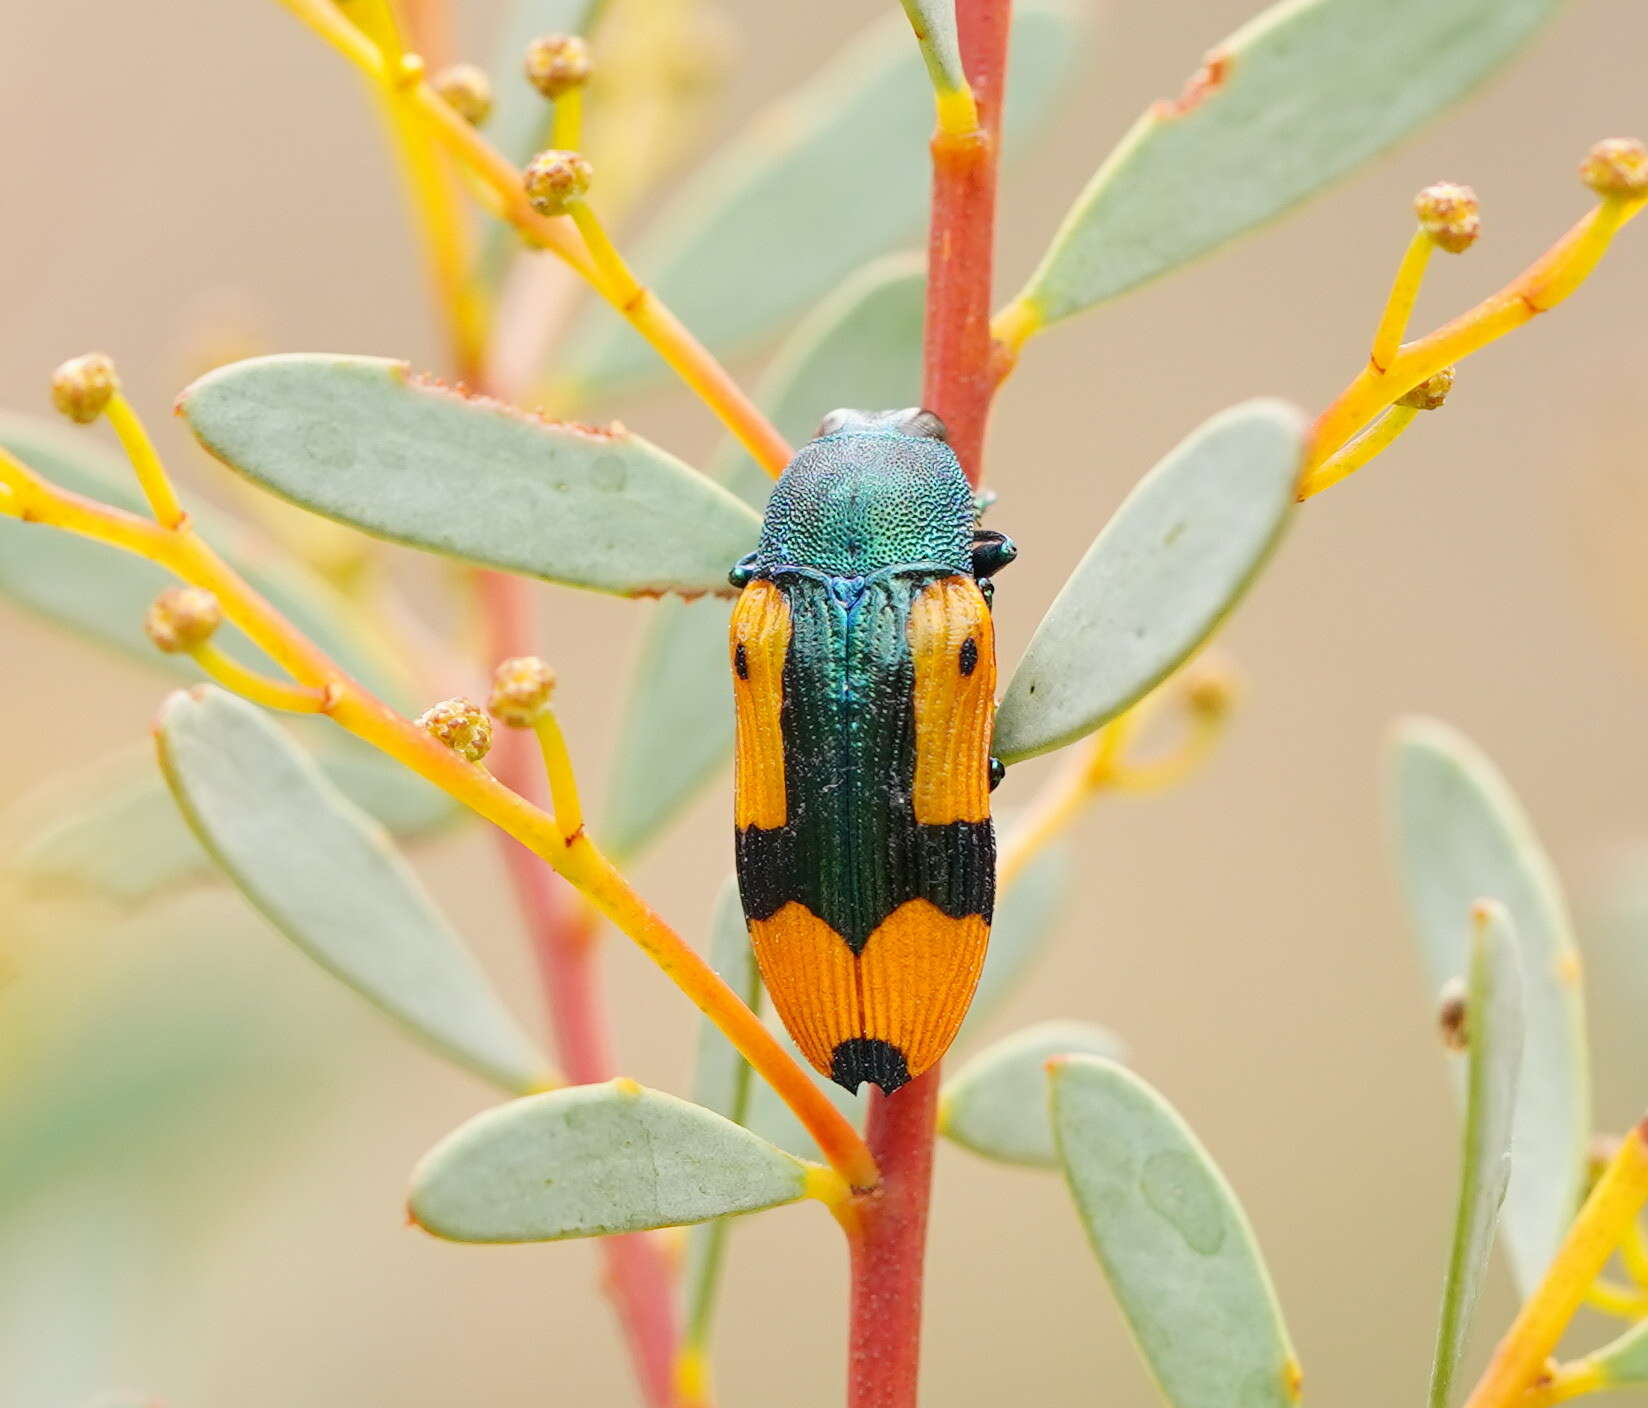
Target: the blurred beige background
pixel 166 162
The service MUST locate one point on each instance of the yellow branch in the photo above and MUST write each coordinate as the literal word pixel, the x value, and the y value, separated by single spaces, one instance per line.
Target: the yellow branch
pixel 1204 693
pixel 1520 1359
pixel 1410 274
pixel 430 188
pixel 1367 446
pixel 1063 799
pixel 140 450
pixel 260 689
pixel 1613 1299
pixel 1539 288
pixel 497 174
pixel 563 782
pixel 184 553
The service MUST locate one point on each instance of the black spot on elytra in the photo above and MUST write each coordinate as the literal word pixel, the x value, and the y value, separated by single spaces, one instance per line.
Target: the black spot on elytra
pixel 869 1058
pixel 741 661
pixel 969 655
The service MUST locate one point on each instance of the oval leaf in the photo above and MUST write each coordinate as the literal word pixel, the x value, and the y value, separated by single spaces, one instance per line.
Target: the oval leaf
pixel 834 175
pixel 102 593
pixel 1493 1026
pixel 1624 1361
pixel 361 440
pixel 1173 1242
pixel 861 348
pixel 592 1160
pixel 114 829
pixel 934 22
pixel 1298 97
pixel 324 874
pixel 997 1103
pixel 1173 561
pixel 1459 835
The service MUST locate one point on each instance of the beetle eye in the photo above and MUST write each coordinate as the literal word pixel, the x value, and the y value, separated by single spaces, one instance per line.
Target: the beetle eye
pixel 833 422
pixel 924 424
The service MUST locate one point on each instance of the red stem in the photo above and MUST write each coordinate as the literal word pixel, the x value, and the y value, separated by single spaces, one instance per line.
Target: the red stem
pixel 565 943
pixel 889 1246
pixel 959 378
pixel 888 1234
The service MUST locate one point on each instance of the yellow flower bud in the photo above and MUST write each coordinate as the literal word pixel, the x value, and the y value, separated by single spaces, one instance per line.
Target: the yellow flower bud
pixel 182 619
pixel 557 63
pixel 461 725
pixel 82 386
pixel 1450 215
pixel 467 91
pixel 554 179
pixel 521 690
pixel 1616 167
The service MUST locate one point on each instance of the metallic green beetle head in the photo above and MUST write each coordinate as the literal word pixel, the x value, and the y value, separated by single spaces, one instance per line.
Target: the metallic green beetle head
pixel 874 490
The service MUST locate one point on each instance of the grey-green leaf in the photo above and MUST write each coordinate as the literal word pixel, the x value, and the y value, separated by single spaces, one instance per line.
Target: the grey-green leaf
pixel 996 1104
pixel 102 593
pixel 1493 1026
pixel 1301 95
pixel 861 348
pixel 1027 912
pixel 934 22
pixel 1459 835
pixel 1173 1241
pixel 592 1160
pixel 361 440
pixel 1624 1361
pixel 114 830
pixel 324 874
pixel 1177 556
pixel 833 175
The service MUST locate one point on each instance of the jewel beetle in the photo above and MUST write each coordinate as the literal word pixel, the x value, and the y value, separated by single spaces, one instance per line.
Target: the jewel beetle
pixel 864 672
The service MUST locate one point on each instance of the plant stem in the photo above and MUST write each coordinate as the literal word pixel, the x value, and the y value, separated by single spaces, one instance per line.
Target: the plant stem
pixel 889 1244
pixel 887 1231
pixel 959 379
pixel 565 944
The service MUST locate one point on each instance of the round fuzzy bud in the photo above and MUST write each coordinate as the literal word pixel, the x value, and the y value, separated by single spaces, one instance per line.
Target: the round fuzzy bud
pixel 467 91
pixel 1451 1012
pixel 1430 393
pixel 182 619
pixel 461 725
pixel 1616 167
pixel 557 63
pixel 553 180
pixel 521 690
pixel 1450 215
pixel 82 386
